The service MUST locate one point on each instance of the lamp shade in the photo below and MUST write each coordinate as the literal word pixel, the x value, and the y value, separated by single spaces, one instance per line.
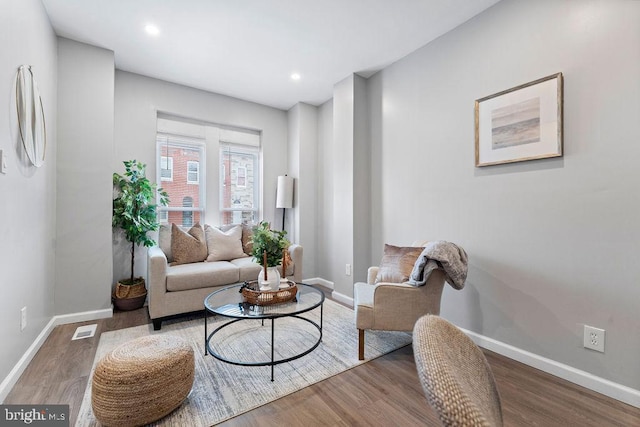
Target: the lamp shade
pixel 284 194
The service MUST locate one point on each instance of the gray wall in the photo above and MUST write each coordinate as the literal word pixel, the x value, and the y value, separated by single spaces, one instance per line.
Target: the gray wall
pixel 341 177
pixel 346 188
pixel 552 244
pixel 301 220
pixel 84 190
pixel 361 182
pixel 137 101
pixel 27 210
pixel 325 242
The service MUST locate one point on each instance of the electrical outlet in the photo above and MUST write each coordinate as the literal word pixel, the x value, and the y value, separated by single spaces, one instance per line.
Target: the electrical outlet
pixel 594 338
pixel 23 318
pixel 348 270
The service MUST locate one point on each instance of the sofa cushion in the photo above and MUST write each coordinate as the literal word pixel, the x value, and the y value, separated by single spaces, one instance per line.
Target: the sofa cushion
pixel 224 245
pixel 201 275
pixel 397 263
pixel 188 247
pixel 249 270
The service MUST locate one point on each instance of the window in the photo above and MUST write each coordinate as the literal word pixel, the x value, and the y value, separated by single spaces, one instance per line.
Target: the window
pixel 239 183
pixel 193 172
pixel 166 168
pixel 187 216
pixel 163 216
pixel 181 163
pixel 241 180
pixel 183 157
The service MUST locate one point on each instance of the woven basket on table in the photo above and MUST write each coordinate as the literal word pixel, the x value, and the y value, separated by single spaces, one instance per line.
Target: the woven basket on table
pixel 142 380
pixel 257 297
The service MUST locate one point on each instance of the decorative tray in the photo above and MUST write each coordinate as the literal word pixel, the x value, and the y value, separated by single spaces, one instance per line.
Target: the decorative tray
pixel 251 293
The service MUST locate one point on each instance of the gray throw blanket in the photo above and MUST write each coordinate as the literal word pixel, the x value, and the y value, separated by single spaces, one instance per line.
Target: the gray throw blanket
pixel 444 255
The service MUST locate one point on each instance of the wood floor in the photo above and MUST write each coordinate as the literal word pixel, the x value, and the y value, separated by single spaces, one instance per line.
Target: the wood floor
pixel 382 392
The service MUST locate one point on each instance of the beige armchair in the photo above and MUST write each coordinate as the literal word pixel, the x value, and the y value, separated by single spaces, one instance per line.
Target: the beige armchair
pixel 394 306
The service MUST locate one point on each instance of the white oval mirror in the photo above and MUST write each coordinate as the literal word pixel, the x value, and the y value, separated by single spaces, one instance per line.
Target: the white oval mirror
pixel 30 116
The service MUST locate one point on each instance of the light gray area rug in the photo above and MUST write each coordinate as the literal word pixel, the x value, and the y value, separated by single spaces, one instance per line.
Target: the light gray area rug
pixel 222 391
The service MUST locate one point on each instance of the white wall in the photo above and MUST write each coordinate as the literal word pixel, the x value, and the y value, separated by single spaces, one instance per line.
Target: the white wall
pixel 137 101
pixel 85 186
pixel 552 244
pixel 27 209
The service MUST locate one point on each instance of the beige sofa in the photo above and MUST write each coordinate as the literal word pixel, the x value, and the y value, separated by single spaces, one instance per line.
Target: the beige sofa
pixel 177 289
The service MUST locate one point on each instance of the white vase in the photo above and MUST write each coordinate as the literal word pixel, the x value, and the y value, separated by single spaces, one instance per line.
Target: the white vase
pixel 273 278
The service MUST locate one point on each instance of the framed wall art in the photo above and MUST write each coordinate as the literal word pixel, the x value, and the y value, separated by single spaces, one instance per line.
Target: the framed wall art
pixel 519 124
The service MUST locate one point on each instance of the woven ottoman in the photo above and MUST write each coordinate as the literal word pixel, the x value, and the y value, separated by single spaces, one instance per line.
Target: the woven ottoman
pixel 142 380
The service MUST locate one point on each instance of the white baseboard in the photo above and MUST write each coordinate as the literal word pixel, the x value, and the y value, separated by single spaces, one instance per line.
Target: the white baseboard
pixel 342 298
pixel 330 285
pixel 614 390
pixel 319 281
pixel 64 319
pixel 11 379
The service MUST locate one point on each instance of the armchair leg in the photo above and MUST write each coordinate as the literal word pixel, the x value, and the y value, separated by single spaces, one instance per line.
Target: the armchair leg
pixel 360 344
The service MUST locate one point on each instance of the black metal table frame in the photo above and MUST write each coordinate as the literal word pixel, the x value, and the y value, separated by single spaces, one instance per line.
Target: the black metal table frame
pixel 272 362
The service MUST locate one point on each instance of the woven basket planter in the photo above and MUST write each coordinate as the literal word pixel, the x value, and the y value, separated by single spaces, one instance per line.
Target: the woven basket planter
pixel 142 380
pixel 130 297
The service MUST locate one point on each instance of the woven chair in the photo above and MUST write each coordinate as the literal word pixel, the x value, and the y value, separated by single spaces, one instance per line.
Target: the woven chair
pixel 455 375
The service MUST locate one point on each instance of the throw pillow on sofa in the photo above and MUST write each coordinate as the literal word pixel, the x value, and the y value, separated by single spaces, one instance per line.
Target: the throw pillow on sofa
pixel 247 235
pixel 289 262
pixel 247 238
pixel 188 247
pixel 397 263
pixel 224 245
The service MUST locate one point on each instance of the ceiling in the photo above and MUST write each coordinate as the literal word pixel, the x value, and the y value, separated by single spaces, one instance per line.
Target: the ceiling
pixel 248 49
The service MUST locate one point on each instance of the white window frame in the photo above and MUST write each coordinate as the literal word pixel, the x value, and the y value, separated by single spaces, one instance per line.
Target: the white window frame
pixel 257 177
pixel 169 162
pixel 197 172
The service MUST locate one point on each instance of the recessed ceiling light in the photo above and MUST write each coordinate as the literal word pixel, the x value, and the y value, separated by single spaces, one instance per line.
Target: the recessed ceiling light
pixel 295 76
pixel 152 29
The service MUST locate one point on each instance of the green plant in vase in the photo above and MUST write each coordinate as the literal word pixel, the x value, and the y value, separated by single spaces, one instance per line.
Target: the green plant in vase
pixel 134 211
pixel 268 247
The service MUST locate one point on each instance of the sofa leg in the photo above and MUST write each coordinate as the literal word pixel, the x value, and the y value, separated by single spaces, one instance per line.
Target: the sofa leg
pixel 360 344
pixel 157 324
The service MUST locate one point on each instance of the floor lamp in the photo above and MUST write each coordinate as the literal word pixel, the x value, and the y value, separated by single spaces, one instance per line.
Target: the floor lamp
pixel 284 195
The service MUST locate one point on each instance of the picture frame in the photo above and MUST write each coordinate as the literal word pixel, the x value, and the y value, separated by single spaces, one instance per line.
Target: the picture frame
pixel 520 124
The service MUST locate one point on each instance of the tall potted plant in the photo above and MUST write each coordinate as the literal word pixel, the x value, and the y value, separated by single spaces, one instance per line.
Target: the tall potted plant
pixel 134 212
pixel 268 247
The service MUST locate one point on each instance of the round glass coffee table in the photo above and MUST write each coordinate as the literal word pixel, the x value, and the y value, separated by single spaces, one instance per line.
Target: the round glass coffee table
pixel 229 302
